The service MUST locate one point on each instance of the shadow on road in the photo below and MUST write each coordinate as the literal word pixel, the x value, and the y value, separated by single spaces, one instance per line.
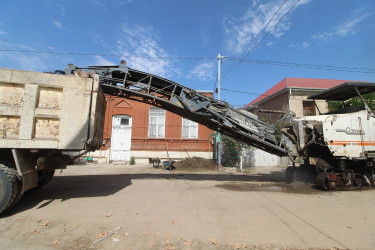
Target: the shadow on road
pixel 67 187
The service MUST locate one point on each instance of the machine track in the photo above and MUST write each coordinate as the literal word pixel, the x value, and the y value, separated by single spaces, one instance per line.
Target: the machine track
pixel 321 181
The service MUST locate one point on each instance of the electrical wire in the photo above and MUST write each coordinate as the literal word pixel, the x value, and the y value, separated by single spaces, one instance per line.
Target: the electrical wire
pixel 243 92
pixel 242 60
pixel 231 67
pixel 107 55
pixel 273 28
pixel 308 66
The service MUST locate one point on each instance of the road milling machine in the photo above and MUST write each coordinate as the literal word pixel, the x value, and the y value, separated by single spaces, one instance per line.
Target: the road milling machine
pixel 336 149
pixel 44 117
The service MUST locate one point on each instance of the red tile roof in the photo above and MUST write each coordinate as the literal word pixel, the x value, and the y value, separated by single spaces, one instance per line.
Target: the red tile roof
pixel 306 83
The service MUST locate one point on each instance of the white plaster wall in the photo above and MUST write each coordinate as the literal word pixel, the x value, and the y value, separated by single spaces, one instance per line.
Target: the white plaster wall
pixel 141 157
pixel 260 158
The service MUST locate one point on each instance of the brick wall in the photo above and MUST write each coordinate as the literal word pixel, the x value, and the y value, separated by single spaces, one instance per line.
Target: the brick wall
pixel 140 117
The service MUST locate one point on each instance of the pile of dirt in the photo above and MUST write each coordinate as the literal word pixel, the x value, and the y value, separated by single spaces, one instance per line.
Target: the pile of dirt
pixel 195 163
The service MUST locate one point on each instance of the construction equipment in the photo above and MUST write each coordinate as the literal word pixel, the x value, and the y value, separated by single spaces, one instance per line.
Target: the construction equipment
pixel 216 115
pixel 337 148
pixel 45 116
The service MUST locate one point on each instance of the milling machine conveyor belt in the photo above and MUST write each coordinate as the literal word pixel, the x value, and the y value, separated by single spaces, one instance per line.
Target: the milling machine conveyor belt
pixel 188 103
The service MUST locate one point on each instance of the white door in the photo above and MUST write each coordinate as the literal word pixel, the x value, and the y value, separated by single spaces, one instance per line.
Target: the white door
pixel 121 138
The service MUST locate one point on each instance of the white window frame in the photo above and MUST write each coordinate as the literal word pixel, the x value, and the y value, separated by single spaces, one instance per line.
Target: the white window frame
pixel 189 129
pixel 156 123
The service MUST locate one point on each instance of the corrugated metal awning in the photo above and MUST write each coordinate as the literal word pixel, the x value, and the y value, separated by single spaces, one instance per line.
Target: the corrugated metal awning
pixel 344 91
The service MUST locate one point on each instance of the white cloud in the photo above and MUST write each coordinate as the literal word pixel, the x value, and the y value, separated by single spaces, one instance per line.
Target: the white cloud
pixel 29 62
pixel 101 61
pixel 203 71
pixel 241 31
pixel 97 38
pixel 2 32
pixel 57 24
pixel 103 3
pixel 349 26
pixel 25 61
pixel 301 46
pixel 305 45
pixel 99 3
pixel 141 45
pixel 62 10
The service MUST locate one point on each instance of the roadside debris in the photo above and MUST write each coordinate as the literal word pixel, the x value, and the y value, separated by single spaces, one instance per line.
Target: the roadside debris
pixel 195 163
pixel 170 247
pixel 213 241
pixel 106 235
pixel 188 242
pixel 56 242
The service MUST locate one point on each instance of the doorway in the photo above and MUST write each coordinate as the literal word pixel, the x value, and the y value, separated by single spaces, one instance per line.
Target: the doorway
pixel 121 137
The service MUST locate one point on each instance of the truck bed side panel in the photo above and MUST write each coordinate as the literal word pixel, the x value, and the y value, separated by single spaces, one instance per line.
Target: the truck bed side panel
pixel 47 111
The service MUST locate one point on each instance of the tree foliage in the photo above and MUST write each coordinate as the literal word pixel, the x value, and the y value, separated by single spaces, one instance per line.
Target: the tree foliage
pixel 353 102
pixel 231 151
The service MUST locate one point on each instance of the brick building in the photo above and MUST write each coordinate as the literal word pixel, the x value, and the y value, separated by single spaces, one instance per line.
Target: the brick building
pixel 141 130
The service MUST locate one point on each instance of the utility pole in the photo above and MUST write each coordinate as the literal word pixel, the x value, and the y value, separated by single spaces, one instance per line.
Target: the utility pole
pixel 219 60
pixel 218 75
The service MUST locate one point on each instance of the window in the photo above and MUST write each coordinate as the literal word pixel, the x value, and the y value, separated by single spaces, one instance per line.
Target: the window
pixel 308 108
pixel 156 123
pixel 189 129
pixel 124 121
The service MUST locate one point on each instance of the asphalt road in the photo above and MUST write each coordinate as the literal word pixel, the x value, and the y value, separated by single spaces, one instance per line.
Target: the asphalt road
pixel 147 208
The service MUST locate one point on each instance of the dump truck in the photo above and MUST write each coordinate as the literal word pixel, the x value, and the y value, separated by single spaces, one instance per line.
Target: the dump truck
pixel 44 120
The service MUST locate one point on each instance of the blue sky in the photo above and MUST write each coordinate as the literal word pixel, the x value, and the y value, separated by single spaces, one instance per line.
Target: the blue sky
pixel 158 36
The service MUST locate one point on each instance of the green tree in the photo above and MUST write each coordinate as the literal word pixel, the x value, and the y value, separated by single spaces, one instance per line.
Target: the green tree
pixel 231 151
pixel 353 102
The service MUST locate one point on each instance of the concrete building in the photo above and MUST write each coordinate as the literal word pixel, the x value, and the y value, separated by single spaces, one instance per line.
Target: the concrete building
pixel 138 129
pixel 289 95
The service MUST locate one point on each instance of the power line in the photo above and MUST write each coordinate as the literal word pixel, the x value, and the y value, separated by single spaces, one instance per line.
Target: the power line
pixel 242 60
pixel 273 28
pixel 107 55
pixel 308 66
pixel 231 67
pixel 243 92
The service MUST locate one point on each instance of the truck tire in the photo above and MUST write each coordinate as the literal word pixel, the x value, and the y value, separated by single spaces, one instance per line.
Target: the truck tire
pixel 9 185
pixel 45 176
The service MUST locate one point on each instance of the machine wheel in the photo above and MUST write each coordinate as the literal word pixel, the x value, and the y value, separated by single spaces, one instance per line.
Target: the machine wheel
pixel 45 176
pixel 9 185
pixel 291 174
